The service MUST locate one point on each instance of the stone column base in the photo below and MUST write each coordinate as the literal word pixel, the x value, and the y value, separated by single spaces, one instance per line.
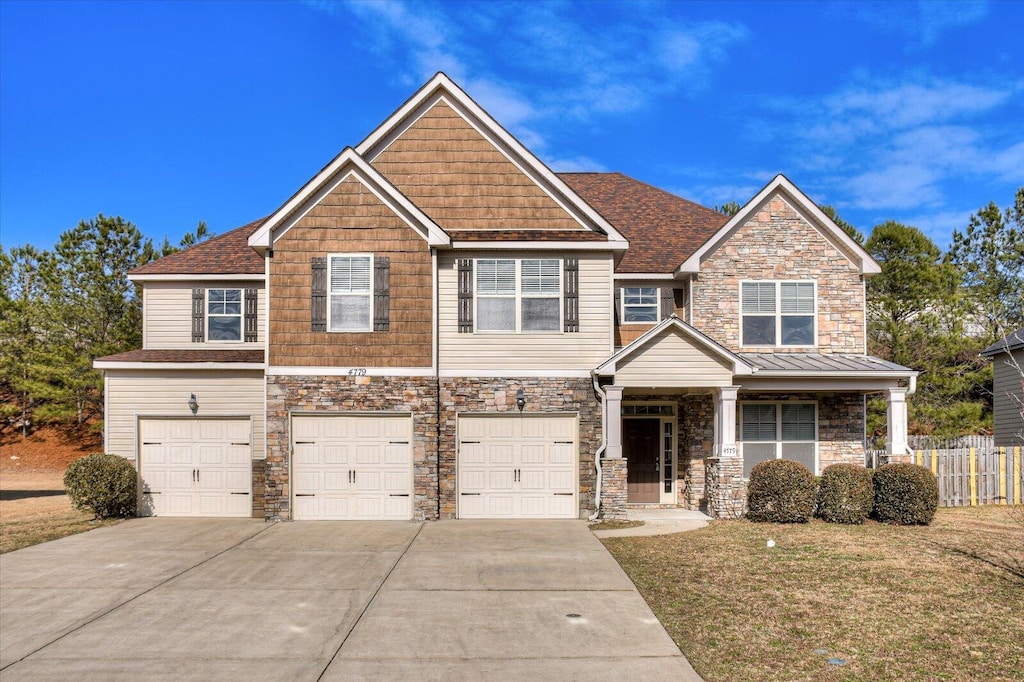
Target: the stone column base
pixel 614 490
pixel 726 491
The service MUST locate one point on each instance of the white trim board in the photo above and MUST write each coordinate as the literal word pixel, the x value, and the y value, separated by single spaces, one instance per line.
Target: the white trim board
pixel 541 246
pixel 305 371
pixel 201 277
pixel 101 364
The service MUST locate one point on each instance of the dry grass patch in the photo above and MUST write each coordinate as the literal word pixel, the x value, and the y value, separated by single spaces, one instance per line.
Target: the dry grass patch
pixel 615 524
pixel 27 532
pixel 939 602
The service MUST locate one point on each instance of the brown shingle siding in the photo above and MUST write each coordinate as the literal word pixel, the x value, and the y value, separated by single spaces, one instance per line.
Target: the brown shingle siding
pixel 351 219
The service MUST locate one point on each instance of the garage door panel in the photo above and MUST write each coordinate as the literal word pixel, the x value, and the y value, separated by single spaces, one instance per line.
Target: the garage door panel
pixel 180 455
pixel 517 467
pixel 174 504
pixel 332 454
pixel 373 450
pixel 306 454
pixel 369 454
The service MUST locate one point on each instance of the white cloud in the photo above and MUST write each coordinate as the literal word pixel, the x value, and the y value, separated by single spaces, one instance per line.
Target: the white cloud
pixel 576 164
pixel 500 51
pixel 923 22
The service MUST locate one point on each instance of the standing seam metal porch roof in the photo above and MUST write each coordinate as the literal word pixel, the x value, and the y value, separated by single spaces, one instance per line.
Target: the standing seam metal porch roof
pixel 815 363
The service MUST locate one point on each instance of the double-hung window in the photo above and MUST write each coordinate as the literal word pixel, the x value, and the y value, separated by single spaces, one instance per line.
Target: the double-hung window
pixel 640 304
pixel 224 314
pixel 778 431
pixel 351 291
pixel 778 313
pixel 518 295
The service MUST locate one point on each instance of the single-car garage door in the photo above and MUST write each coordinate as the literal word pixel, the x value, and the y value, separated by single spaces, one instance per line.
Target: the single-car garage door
pixel 195 467
pixel 517 466
pixel 352 467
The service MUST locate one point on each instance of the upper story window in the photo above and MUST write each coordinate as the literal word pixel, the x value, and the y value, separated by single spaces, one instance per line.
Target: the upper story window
pixel 350 291
pixel 640 304
pixel 778 313
pixel 518 295
pixel 778 431
pixel 224 314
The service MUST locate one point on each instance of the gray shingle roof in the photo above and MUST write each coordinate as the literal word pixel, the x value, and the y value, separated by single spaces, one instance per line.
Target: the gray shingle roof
pixel 814 363
pixel 1013 341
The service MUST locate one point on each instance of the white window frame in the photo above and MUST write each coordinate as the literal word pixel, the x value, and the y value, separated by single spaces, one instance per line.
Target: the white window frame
pixel 331 294
pixel 779 404
pixel 240 315
pixel 778 315
pixel 656 304
pixel 519 296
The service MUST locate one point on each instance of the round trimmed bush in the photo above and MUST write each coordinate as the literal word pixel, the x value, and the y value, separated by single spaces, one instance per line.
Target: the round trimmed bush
pixel 781 491
pixel 845 494
pixel 105 485
pixel 905 494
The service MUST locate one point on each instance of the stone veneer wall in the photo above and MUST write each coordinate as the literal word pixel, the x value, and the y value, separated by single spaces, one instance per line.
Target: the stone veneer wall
pixel 696 444
pixel 614 488
pixel 259 488
pixel 334 394
pixel 777 242
pixel 840 424
pixel 481 395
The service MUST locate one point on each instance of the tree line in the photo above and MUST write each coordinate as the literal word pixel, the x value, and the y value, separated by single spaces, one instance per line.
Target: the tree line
pixel 62 308
pixel 929 309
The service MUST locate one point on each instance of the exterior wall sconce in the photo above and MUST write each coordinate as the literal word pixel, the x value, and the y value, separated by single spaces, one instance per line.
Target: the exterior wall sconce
pixel 520 399
pixel 193 404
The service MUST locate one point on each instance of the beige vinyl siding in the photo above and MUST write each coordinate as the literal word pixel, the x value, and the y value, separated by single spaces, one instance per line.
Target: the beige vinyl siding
pixel 167 314
pixel 547 351
pixel 148 393
pixel 1006 410
pixel 671 360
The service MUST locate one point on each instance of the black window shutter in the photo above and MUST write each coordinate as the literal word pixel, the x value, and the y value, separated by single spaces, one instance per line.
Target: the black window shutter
pixel 465 295
pixel 250 315
pixel 618 304
pixel 318 300
pixel 572 294
pixel 381 293
pixel 198 315
pixel 668 302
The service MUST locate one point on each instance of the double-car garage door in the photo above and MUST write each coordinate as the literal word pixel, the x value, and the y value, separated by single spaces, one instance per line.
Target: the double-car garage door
pixel 517 466
pixel 195 467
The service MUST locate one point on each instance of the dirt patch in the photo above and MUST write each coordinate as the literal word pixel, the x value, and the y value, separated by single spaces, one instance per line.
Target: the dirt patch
pixel 46 449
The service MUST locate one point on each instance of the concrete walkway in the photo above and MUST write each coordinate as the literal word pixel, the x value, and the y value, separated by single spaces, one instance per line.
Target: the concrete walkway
pixel 658 522
pixel 241 599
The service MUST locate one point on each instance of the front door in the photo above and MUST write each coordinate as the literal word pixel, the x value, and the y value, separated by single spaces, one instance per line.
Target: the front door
pixel 640 439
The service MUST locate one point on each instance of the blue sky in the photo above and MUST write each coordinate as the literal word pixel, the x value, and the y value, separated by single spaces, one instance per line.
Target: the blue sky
pixel 170 113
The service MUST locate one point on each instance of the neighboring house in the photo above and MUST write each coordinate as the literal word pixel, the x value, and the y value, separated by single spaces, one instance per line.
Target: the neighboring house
pixel 1008 388
pixel 436 325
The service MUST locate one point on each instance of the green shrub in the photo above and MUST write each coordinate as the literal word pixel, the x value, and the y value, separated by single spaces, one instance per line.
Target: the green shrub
pixel 105 485
pixel 845 494
pixel 905 494
pixel 781 491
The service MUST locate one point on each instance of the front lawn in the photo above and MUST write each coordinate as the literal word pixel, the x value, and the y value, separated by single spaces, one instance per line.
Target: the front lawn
pixel 939 602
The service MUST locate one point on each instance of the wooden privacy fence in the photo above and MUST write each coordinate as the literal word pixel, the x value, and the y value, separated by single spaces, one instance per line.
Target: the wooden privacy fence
pixel 970 471
pixel 973 476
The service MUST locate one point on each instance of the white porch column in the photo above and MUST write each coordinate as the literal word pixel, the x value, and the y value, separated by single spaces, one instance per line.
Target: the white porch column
pixel 725 421
pixel 613 421
pixel 896 421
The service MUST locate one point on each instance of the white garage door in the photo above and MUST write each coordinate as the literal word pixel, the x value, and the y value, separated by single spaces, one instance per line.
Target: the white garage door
pixel 352 467
pixel 517 467
pixel 196 467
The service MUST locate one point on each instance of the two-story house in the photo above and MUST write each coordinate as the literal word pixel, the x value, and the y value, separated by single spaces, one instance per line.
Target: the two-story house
pixel 436 325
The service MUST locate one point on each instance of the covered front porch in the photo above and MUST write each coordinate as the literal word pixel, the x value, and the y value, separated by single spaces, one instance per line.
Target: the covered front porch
pixel 686 419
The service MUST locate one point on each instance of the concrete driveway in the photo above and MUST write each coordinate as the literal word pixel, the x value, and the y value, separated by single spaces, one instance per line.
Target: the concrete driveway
pixel 182 598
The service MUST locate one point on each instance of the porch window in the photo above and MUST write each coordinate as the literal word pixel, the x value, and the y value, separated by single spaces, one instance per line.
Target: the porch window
pixel 778 313
pixel 785 430
pixel 518 295
pixel 351 286
pixel 639 304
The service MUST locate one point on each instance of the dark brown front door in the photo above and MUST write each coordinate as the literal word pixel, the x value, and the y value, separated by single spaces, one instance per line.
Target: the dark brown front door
pixel 640 439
